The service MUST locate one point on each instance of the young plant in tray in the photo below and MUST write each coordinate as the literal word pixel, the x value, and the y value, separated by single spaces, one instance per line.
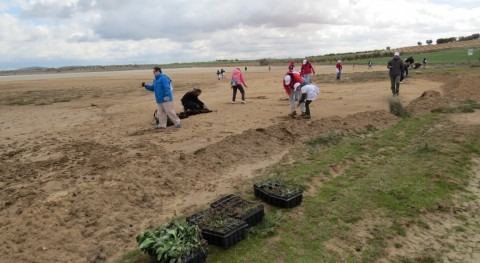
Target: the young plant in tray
pixel 173 242
pixel 218 228
pixel 278 193
pixel 279 188
pixel 236 207
pixel 217 221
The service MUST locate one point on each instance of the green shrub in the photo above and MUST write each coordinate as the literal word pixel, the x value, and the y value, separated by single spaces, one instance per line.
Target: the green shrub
pixel 172 242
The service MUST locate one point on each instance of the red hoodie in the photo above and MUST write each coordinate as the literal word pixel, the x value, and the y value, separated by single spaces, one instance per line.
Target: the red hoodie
pixel 237 77
pixel 339 66
pixel 307 68
pixel 294 78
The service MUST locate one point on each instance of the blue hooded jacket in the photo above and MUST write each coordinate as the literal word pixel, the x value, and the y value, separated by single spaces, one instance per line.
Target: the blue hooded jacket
pixel 162 88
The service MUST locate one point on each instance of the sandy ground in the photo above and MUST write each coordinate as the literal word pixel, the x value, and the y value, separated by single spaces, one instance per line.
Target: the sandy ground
pixel 82 172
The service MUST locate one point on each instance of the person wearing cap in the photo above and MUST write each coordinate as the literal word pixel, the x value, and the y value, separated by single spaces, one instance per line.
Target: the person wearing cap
pixel 162 88
pixel 291 81
pixel 237 82
pixel 396 69
pixel 309 93
pixel 339 69
pixel 306 71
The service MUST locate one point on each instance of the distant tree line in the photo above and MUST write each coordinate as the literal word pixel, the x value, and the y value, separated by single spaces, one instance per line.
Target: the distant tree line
pixel 455 39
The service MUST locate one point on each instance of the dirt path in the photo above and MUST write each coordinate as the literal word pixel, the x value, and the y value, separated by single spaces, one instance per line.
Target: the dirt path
pixel 81 178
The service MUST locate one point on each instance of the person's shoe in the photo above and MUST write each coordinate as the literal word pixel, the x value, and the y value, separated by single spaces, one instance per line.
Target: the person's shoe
pixel 306 117
pixel 243 102
pixel 178 125
pixel 303 114
pixel 292 114
pixel 158 127
pixel 233 102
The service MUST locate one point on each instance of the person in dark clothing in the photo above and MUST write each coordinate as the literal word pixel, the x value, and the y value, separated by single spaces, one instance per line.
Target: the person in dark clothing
pixel 191 102
pixel 396 69
pixel 410 61
pixel 405 69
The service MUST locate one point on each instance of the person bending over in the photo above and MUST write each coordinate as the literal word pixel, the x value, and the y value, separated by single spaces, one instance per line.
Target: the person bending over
pixel 309 93
pixel 191 102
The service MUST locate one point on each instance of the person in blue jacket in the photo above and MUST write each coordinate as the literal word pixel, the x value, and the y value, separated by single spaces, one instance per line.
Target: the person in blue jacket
pixel 163 95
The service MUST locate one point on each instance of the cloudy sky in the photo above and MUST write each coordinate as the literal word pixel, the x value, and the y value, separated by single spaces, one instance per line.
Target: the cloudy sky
pixel 55 33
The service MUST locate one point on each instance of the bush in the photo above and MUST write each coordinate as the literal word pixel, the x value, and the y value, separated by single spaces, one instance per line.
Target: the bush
pixel 396 108
pixel 172 242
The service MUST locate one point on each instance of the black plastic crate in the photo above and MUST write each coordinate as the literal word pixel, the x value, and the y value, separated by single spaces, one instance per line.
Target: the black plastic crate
pixel 198 257
pixel 276 200
pixel 235 231
pixel 237 207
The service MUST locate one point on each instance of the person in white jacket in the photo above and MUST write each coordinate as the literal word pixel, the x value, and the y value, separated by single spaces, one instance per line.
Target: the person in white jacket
pixel 309 93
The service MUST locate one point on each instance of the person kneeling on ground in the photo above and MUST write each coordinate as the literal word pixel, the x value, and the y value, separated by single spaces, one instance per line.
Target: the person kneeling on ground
pixel 309 93
pixel 191 102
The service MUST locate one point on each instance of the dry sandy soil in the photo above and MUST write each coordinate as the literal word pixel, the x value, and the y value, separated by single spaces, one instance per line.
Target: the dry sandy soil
pixel 82 172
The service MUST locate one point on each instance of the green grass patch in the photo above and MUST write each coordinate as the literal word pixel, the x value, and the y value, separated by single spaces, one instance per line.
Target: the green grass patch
pixel 464 107
pixel 397 178
pixel 388 179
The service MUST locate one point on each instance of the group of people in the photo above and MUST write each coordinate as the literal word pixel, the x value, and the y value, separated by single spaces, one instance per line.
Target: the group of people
pixel 398 71
pixel 299 88
pixel 297 85
pixel 220 74
pixel 162 87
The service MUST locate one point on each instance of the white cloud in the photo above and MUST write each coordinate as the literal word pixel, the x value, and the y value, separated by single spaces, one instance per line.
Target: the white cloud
pixel 55 32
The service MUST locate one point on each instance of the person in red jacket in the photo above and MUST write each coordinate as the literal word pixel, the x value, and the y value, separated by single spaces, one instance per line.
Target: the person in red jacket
pixel 291 81
pixel 291 66
pixel 306 71
pixel 339 69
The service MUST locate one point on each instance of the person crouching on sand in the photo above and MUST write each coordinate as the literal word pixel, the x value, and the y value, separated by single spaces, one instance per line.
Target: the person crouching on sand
pixel 309 93
pixel 191 102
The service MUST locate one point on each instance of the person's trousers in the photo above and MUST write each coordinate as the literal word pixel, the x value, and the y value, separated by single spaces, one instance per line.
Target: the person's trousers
pixel 395 84
pixel 307 78
pixel 338 75
pixel 307 107
pixel 292 99
pixel 240 88
pixel 191 105
pixel 165 110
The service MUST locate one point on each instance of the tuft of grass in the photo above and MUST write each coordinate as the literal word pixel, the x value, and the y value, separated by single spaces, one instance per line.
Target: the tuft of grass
pixel 397 108
pixel 330 139
pixel 467 106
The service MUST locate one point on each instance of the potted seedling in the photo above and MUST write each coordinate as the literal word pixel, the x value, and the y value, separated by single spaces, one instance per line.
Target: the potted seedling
pixel 174 242
pixel 234 206
pixel 218 228
pixel 278 193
